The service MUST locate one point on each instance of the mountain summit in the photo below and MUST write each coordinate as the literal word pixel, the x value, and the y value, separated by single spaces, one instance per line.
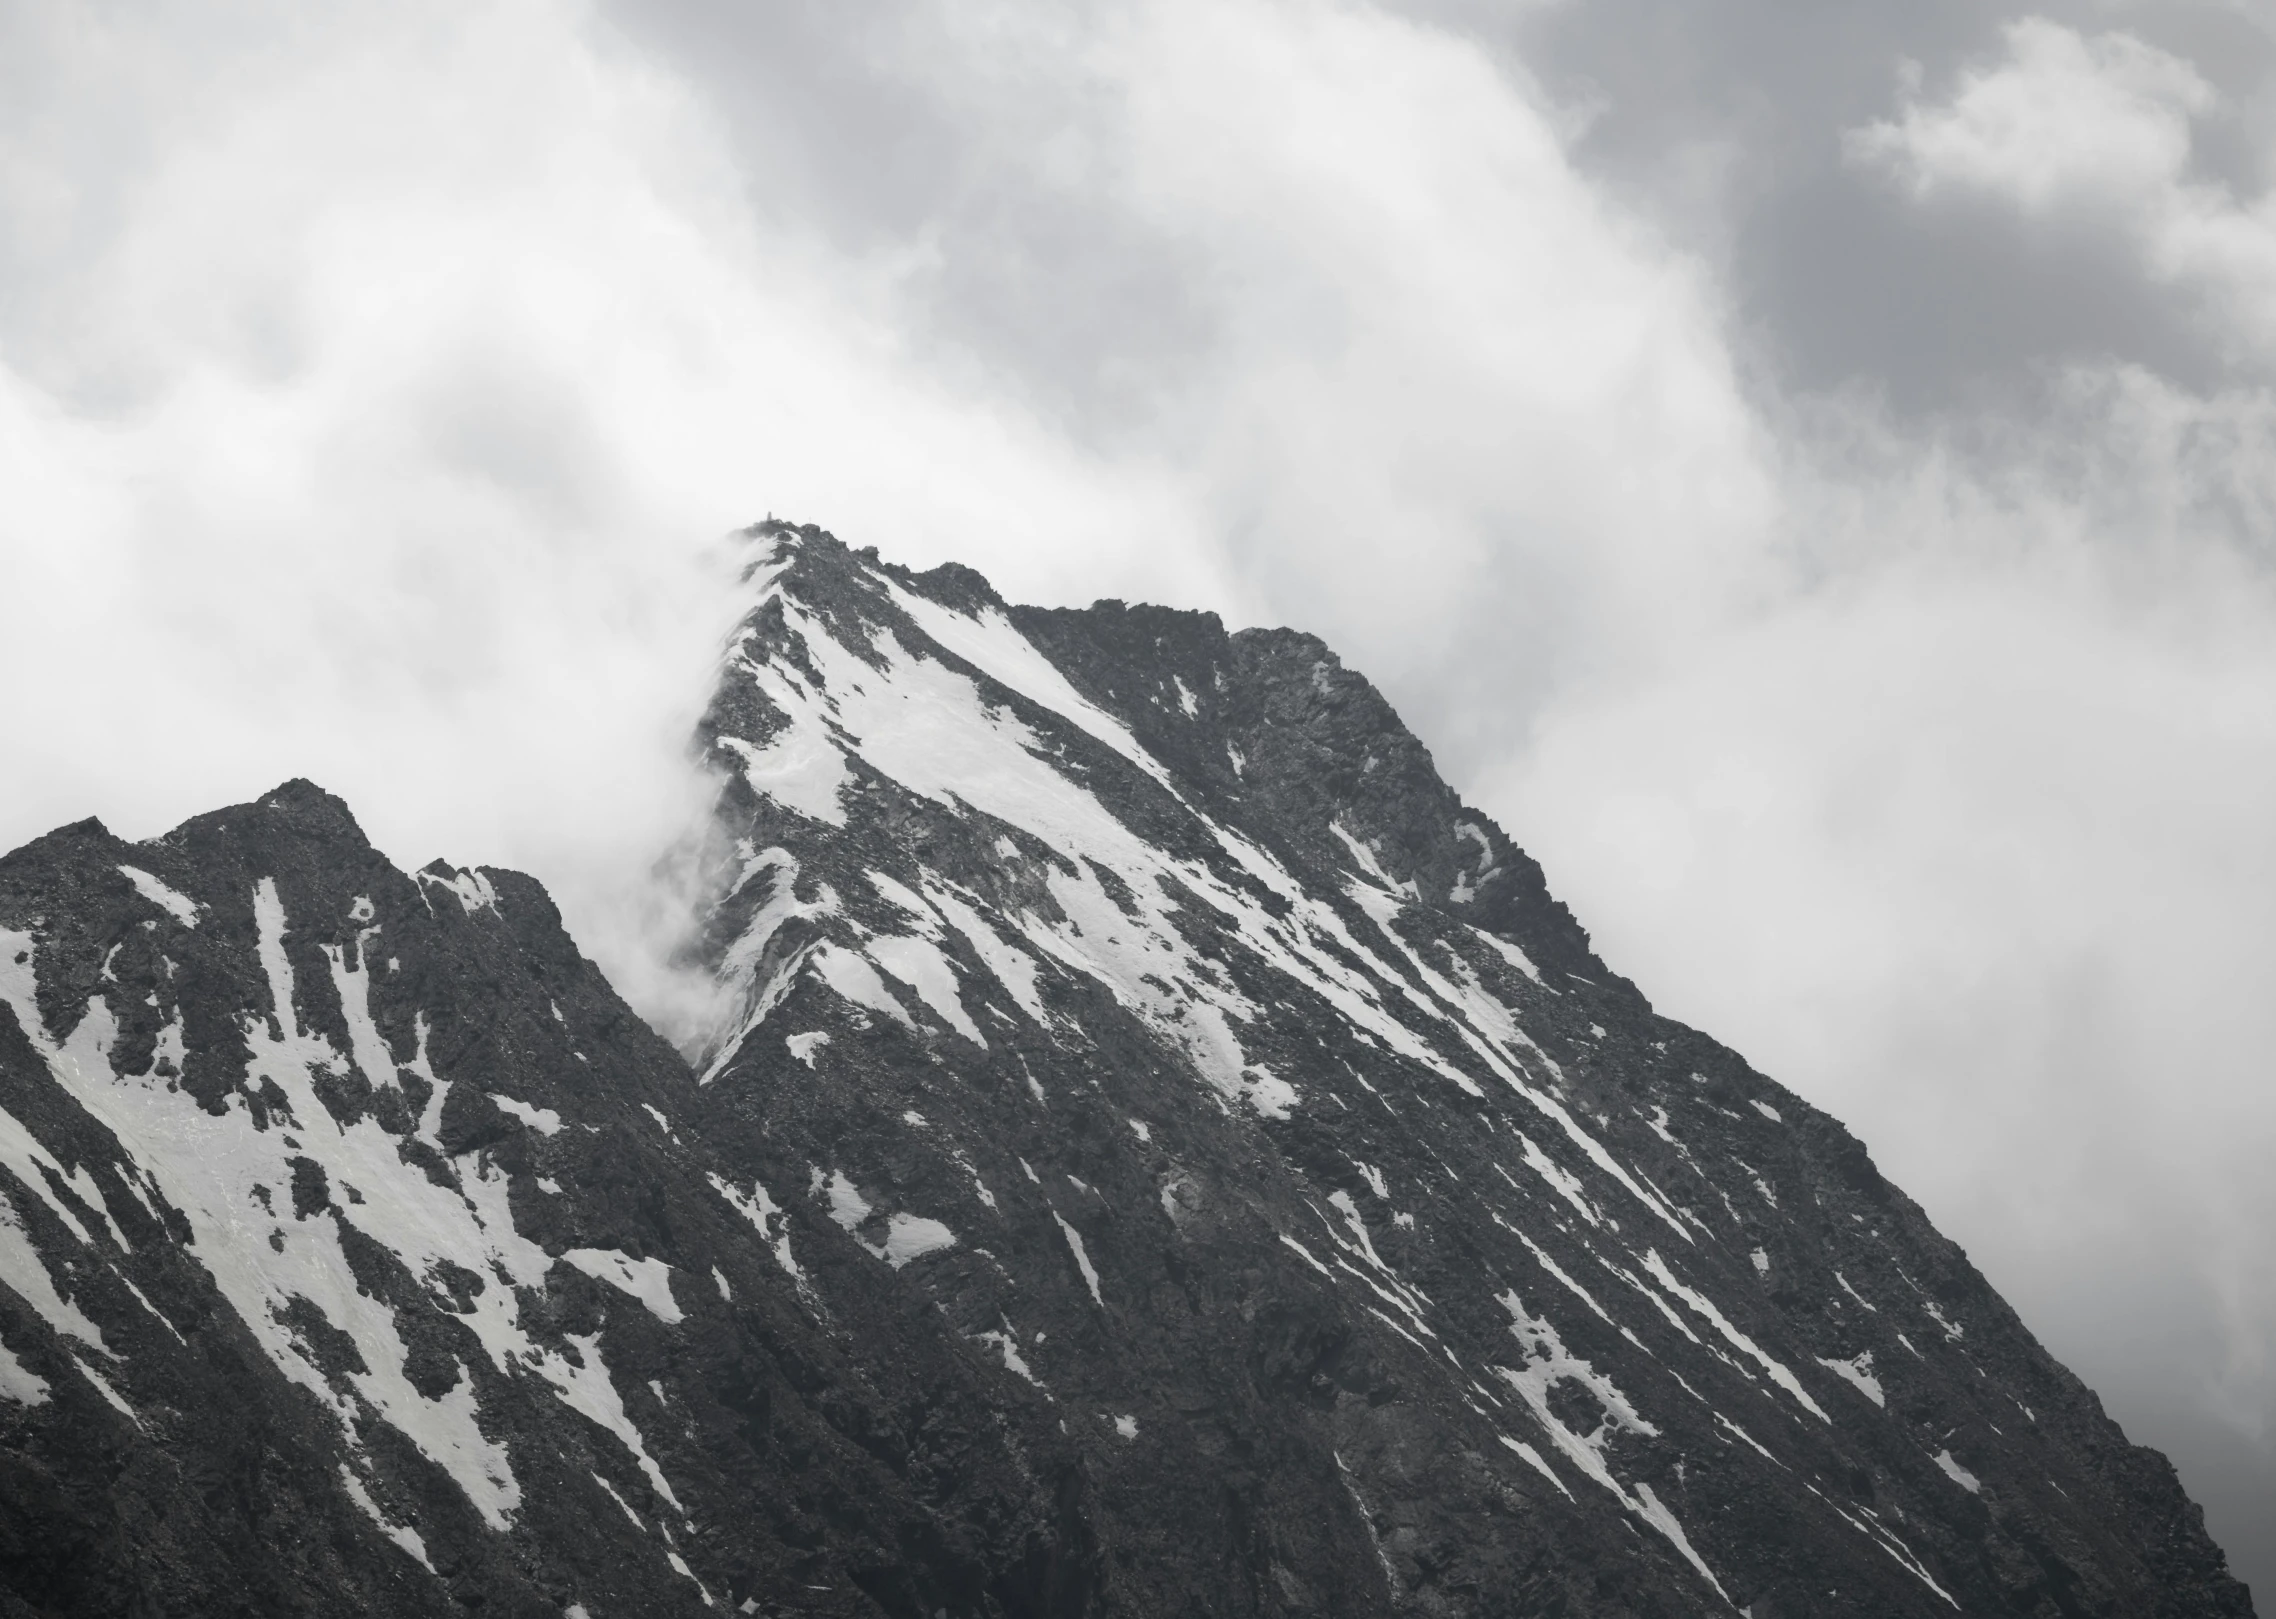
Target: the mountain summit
pixel 1161 1153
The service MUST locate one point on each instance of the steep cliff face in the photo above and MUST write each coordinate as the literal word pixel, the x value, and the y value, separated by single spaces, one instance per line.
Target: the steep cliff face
pixel 1138 994
pixel 356 1262
pixel 1163 1154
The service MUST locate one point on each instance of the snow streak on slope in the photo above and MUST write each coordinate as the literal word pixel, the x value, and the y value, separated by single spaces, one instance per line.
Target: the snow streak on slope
pixel 228 1174
pixel 990 643
pixel 1545 1364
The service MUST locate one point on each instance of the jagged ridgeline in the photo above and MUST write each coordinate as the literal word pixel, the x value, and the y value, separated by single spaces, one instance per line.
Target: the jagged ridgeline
pixel 1162 1154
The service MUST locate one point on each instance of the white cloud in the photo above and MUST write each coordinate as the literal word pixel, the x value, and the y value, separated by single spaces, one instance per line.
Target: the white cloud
pixel 1961 844
pixel 2065 120
pixel 1462 406
pixel 2096 128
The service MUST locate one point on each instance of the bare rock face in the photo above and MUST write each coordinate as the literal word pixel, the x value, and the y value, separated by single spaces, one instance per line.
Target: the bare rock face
pixel 1163 1154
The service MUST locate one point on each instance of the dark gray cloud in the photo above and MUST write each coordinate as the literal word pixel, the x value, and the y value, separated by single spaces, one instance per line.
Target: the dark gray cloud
pixel 1728 122
pixel 1958 308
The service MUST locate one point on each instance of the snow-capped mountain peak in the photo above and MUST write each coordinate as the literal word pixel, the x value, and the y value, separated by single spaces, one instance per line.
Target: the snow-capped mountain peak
pixel 1160 1152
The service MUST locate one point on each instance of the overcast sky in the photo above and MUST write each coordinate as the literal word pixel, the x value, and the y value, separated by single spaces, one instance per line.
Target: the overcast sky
pixel 1809 471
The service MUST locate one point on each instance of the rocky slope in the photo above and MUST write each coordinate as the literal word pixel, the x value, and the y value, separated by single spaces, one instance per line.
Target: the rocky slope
pixel 1139 993
pixel 1161 1154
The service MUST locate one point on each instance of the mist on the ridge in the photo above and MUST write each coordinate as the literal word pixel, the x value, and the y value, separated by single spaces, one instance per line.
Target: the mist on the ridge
pixel 1810 482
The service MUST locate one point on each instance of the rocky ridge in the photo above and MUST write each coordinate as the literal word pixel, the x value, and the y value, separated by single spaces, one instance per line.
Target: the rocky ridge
pixel 1163 1153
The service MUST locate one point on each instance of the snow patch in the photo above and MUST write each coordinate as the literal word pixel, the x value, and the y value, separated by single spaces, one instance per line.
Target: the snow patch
pixel 680 1567
pixel 470 888
pixel 856 980
pixel 544 1120
pixel 1958 1474
pixel 890 888
pixel 405 1538
pixel 1082 1257
pixel 648 1280
pixel 1545 1362
pixel 19 1382
pixel 176 904
pixel 1738 1340
pixel 622 1505
pixel 23 1154
pixel 24 1271
pixel 353 985
pixel 1364 855
pixel 912 1236
pixel 907 1236
pixel 994 646
pixel 920 964
pixel 765 1214
pixel 1509 953
pixel 757 978
pixel 1014 968
pixel 1006 1343
pixel 800 766
pixel 1858 1373
pixel 1566 1184
pixel 1558 1271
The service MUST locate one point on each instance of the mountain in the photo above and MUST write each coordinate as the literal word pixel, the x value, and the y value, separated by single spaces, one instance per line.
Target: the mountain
pixel 1160 1153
